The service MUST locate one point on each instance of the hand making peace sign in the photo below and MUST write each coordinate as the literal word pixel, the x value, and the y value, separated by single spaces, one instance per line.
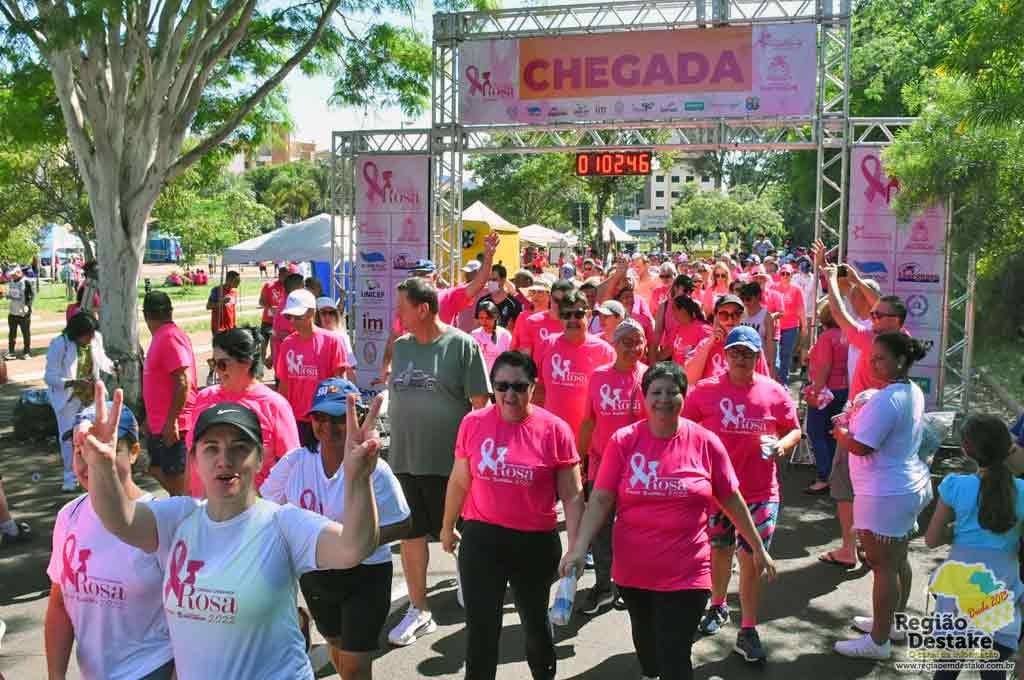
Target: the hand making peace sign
pixel 362 441
pixel 98 440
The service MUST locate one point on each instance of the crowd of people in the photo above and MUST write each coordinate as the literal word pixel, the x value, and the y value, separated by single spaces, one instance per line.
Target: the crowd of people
pixel 650 398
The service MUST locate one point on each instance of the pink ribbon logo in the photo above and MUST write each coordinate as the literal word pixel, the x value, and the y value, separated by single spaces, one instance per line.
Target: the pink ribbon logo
pixel 175 585
pixel 372 176
pixel 473 76
pixel 75 576
pixel 875 179
pixel 640 475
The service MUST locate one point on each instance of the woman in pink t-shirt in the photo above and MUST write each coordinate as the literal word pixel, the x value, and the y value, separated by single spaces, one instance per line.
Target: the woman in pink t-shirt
pixel 718 287
pixel 793 324
pixel 827 369
pixel 235 356
pixel 513 462
pixel 665 321
pixel 664 476
pixel 690 329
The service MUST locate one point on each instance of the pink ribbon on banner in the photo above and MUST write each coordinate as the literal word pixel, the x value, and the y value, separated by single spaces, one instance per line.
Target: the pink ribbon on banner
pixel 473 76
pixel 874 177
pixel 372 176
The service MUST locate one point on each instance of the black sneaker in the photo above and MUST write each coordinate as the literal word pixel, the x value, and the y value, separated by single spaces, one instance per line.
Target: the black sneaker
pixel 618 602
pixel 597 597
pixel 714 619
pixel 748 645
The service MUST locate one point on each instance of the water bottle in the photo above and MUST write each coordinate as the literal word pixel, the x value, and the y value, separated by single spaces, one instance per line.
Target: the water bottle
pixel 825 398
pixel 561 610
pixel 769 444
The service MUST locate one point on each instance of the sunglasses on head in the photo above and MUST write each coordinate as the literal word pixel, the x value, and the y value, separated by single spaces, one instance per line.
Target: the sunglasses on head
pixel 517 387
pixel 573 314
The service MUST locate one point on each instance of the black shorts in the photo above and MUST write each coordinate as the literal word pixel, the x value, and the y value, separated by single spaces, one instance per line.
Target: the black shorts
pixel 350 606
pixel 170 459
pixel 425 495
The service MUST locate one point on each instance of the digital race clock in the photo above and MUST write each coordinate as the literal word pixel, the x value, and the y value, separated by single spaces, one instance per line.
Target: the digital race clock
pixel 590 163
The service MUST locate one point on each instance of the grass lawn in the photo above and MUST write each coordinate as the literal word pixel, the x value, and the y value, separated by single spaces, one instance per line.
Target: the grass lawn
pixel 52 296
pixel 1005 365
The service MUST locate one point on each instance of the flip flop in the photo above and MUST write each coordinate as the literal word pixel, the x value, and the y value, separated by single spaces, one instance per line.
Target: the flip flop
pixel 828 558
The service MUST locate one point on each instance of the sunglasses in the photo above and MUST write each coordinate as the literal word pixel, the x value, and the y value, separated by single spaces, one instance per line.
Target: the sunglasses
pixel 293 317
pixel 573 314
pixel 725 314
pixel 665 276
pixel 785 275
pixel 517 387
pixel 221 364
pixel 324 417
pixel 881 315
pixel 739 353
pixel 721 276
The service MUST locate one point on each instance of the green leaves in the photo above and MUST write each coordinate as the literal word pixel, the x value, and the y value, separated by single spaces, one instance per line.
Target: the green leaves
pixel 738 215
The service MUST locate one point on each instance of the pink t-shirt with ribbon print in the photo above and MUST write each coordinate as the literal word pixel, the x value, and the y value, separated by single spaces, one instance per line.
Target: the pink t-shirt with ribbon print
pixel 514 467
pixel 616 400
pixel 664 490
pixel 565 370
pixel 305 362
pixel 717 365
pixel 739 415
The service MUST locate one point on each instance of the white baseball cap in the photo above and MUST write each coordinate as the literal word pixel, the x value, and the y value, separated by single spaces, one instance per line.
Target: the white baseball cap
pixel 326 303
pixel 299 302
pixel 472 266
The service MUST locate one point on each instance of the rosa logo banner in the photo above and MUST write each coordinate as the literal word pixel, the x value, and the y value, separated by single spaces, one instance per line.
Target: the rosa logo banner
pixel 906 258
pixel 393 232
pixel 652 75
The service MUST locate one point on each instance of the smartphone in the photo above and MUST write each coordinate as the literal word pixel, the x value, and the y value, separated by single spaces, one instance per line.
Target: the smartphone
pixel 842 271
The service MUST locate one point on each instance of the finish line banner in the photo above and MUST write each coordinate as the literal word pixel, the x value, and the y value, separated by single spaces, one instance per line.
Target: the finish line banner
pixel 733 71
pixel 906 258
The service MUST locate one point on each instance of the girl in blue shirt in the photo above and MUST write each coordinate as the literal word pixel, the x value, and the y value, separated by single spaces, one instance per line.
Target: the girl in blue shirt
pixel 981 515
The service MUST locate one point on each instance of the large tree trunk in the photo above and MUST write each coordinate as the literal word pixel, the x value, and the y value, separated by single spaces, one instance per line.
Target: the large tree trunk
pixel 120 239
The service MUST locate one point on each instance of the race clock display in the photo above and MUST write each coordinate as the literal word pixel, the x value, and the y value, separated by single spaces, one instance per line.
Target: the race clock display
pixel 590 163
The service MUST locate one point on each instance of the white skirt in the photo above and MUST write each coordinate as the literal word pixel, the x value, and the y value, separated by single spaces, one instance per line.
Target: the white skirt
pixel 893 517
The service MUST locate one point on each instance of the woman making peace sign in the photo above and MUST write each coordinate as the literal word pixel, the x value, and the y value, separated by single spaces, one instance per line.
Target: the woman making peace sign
pixel 231 561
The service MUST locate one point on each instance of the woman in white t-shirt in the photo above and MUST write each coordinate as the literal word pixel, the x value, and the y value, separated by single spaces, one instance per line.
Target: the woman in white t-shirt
pixel 492 338
pixel 349 606
pixel 105 594
pixel 231 561
pixel 891 484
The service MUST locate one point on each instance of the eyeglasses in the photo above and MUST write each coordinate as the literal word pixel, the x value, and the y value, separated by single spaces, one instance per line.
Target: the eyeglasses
pixel 573 314
pixel 517 387
pixel 881 315
pixel 740 353
pixel 725 314
pixel 221 364
pixel 293 317
pixel 325 417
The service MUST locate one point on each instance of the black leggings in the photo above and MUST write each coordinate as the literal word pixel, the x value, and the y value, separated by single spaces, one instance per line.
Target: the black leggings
pixel 490 559
pixel 1004 654
pixel 13 324
pixel 664 624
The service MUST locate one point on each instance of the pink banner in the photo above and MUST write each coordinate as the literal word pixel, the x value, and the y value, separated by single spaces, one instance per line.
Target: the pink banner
pixel 392 231
pixel 733 71
pixel 907 258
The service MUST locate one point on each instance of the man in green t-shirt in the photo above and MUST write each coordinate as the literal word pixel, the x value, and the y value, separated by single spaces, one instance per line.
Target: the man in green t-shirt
pixel 438 375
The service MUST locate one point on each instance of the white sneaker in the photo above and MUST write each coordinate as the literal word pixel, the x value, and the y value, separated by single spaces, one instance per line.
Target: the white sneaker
pixel 864 648
pixel 458 592
pixel 3 630
pixel 865 623
pixel 414 624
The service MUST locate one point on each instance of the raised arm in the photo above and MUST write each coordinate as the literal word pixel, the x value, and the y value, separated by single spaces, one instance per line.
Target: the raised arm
pixel 843 318
pixel 345 545
pixel 132 522
pixel 491 242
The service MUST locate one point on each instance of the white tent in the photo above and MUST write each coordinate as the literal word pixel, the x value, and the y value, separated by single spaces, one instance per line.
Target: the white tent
pixel 610 232
pixel 60 237
pixel 309 240
pixel 542 236
pixel 478 212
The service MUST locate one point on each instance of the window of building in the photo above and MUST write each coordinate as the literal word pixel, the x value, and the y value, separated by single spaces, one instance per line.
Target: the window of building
pixel 659 207
pixel 659 194
pixel 659 178
pixel 705 178
pixel 689 178
pixel 675 194
pixel 675 178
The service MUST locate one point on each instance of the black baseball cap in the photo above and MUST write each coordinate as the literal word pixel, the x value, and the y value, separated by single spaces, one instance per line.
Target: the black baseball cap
pixel 156 301
pixel 728 300
pixel 230 413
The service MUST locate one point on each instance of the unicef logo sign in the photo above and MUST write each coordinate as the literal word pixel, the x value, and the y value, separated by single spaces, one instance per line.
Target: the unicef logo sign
pixel 917 305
